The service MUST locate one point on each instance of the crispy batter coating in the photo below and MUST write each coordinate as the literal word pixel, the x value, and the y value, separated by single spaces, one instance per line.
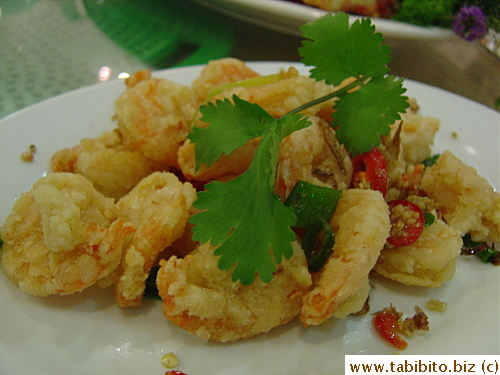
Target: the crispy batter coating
pixel 416 136
pixel 64 160
pixel 154 117
pixel 428 262
pixel 159 207
pixel 106 162
pixel 361 225
pixel 203 299
pixel 465 199
pixel 218 73
pixel 62 236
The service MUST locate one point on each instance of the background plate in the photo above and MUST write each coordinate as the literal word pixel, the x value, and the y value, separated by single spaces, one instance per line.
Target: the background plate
pixel 287 17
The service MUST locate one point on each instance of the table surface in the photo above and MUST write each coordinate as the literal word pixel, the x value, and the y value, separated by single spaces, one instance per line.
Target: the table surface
pixel 49 47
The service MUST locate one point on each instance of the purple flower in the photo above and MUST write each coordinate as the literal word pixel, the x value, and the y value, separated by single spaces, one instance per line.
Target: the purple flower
pixel 470 23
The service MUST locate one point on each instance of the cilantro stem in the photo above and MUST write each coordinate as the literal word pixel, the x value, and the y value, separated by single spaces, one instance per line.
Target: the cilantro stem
pixel 326 97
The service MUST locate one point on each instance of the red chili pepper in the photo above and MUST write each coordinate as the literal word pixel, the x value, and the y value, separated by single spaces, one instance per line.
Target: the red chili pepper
pixel 374 167
pixel 405 230
pixel 386 324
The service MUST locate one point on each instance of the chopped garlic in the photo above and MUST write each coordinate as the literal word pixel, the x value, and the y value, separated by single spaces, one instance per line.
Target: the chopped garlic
pixel 169 360
pixel 437 305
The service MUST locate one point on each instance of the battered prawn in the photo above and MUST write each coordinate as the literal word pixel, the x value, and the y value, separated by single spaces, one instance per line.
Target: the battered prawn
pixel 314 155
pixel 218 73
pixel 411 138
pixel 225 168
pixel 62 236
pixel 106 162
pixel 428 262
pixel 159 207
pixel 203 299
pixel 154 117
pixel 361 225
pixel 466 200
pixel 278 98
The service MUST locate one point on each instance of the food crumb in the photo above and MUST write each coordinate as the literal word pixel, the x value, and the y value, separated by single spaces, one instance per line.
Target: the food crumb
pixel 436 305
pixel 419 322
pixel 169 360
pixel 27 156
pixel 454 135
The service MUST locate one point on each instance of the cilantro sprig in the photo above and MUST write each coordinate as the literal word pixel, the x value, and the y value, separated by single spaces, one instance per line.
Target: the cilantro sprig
pixel 338 52
pixel 235 121
pixel 244 218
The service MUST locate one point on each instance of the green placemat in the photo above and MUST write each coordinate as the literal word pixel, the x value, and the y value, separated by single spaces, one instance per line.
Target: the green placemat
pixel 163 33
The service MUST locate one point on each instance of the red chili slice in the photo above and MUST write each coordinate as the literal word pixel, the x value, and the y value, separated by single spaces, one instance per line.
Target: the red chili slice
pixel 386 324
pixel 407 222
pixel 374 167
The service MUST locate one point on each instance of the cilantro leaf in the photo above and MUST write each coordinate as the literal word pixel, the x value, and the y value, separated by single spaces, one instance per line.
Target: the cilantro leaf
pixel 338 52
pixel 231 125
pixel 364 115
pixel 246 217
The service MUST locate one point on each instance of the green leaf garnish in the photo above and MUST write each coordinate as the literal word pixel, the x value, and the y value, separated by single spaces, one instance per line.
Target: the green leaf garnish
pixel 429 219
pixel 244 217
pixel 338 52
pixel 235 123
pixel 429 162
pixel 364 115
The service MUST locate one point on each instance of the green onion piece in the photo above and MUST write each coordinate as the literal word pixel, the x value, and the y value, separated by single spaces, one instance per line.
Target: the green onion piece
pixel 313 204
pixel 429 219
pixel 482 250
pixel 318 258
pixel 250 82
pixel 314 207
pixel 487 255
pixel 431 161
pixel 151 291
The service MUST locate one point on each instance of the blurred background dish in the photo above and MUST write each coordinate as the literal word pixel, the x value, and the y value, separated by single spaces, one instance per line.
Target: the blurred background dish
pixel 432 55
pixel 287 17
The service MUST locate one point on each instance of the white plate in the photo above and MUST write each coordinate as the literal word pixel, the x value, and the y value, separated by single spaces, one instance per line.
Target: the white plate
pixel 287 17
pixel 88 334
